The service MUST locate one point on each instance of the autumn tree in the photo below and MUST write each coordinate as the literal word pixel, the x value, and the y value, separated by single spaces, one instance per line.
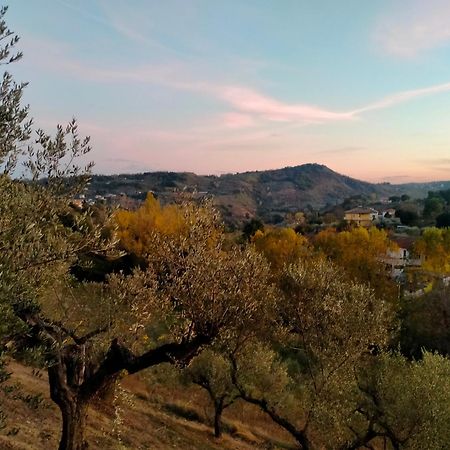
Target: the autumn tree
pixel 280 246
pixel 136 228
pixel 360 252
pixel 433 246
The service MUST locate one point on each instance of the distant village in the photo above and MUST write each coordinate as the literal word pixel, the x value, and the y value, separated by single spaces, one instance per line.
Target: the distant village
pixel 403 218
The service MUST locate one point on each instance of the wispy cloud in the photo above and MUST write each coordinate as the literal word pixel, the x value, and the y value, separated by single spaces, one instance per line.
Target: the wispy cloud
pixel 411 27
pixel 402 97
pixel 253 102
pixel 178 75
pixel 112 21
pixel 249 107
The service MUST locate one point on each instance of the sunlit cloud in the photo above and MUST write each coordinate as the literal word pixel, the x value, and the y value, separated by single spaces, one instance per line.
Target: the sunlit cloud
pixel 402 97
pixel 177 75
pixel 411 27
pixel 238 120
pixel 249 107
pixel 251 101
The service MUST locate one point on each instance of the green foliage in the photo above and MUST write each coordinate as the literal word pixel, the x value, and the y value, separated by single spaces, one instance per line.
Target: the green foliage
pixel 327 310
pixel 329 327
pixel 433 207
pixel 407 216
pixel 425 323
pixel 262 374
pixel 15 130
pixel 442 194
pixel 250 228
pixel 211 370
pixel 443 220
pixel 408 402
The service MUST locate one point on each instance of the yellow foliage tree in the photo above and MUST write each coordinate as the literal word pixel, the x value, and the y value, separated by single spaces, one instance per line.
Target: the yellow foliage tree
pixel 434 248
pixel 359 251
pixel 136 228
pixel 280 246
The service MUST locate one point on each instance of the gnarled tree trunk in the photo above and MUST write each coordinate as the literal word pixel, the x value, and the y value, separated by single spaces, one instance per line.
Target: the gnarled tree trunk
pixel 75 379
pixel 74 415
pixel 65 378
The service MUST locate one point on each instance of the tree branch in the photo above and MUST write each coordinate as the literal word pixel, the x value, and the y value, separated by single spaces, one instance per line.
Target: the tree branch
pixel 120 358
pixel 298 434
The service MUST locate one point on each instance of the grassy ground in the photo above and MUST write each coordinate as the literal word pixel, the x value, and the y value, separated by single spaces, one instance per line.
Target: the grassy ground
pixel 151 416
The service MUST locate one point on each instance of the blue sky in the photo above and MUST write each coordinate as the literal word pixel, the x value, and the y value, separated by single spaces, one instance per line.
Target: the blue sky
pixel 216 86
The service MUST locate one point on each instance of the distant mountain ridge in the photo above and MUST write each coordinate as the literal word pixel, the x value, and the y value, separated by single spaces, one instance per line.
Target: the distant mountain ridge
pixel 259 193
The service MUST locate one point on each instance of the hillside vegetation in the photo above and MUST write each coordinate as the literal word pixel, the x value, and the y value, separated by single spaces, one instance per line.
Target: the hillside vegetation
pixel 261 193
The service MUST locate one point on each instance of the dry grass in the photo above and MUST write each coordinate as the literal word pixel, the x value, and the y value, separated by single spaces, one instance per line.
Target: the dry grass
pixel 154 417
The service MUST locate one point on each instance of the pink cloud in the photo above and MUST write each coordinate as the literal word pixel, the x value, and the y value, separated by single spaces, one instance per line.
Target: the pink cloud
pixel 251 101
pixel 249 107
pixel 238 120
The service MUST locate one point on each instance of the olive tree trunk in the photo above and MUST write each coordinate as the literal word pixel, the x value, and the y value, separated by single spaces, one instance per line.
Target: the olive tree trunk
pixel 218 410
pixel 74 415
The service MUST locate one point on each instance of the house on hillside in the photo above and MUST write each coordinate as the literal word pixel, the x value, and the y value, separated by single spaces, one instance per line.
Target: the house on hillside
pixel 363 217
pixel 398 259
pixel 388 213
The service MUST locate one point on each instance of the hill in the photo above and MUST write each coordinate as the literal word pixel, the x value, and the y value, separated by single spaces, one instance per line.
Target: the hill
pixel 261 193
pixel 151 416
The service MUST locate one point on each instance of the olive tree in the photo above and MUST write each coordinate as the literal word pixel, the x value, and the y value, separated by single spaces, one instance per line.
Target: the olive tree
pixel 330 326
pixel 211 371
pixel 405 404
pixel 89 334
pixel 92 333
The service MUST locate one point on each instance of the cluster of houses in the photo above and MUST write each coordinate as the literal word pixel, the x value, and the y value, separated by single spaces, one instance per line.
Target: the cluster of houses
pixel 396 260
pixel 400 261
pixel 367 217
pixel 122 199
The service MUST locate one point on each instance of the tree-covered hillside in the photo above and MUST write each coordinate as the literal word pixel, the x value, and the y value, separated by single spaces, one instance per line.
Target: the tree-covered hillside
pixel 261 193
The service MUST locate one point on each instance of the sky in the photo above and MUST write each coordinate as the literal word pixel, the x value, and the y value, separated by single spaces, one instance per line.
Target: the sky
pixel 214 86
